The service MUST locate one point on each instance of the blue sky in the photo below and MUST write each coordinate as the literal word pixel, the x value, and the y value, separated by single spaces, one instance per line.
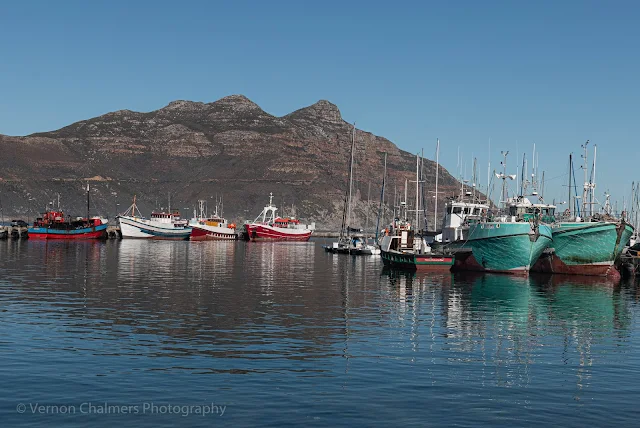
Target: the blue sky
pixel 549 72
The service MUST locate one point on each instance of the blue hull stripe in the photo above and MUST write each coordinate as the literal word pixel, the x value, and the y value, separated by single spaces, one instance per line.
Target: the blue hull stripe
pixel 35 230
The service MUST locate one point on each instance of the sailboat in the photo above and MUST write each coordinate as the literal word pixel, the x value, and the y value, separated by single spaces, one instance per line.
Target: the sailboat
pixel 351 241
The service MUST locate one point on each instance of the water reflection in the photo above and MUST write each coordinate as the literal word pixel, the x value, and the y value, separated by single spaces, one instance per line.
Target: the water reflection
pixel 296 317
pixel 509 323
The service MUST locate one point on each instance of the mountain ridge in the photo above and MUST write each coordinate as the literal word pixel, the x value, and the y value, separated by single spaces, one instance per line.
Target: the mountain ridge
pixel 196 150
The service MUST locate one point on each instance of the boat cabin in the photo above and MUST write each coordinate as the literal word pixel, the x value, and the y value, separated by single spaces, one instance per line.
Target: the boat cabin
pixel 458 216
pixel 404 241
pixel 285 222
pixel 521 209
pixel 168 218
pixel 56 220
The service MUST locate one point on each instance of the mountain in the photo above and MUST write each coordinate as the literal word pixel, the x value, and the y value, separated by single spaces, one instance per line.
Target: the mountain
pixel 229 148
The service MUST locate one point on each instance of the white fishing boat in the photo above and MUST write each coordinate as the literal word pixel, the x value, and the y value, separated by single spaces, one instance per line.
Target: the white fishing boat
pixel 161 225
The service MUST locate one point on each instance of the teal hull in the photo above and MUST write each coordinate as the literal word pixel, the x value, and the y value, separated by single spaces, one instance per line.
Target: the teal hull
pixel 589 248
pixel 501 247
pixel 435 262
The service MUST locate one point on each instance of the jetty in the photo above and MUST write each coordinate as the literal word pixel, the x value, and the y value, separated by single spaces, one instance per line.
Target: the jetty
pixel 13 232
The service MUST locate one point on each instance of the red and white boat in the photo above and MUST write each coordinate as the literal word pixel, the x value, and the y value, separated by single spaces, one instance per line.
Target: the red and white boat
pixel 269 227
pixel 211 228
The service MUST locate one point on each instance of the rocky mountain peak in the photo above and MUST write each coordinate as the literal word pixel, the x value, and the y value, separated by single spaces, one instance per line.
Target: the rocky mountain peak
pixel 183 105
pixel 236 103
pixel 323 110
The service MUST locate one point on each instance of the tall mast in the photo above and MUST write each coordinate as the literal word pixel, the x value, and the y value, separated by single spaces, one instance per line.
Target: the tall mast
pixel 475 179
pixel 422 196
pixel 366 222
pixel 504 178
pixel 353 145
pixel 384 179
pixel 524 156
pixel 489 170
pixel 534 175
pixel 87 201
pixel 406 194
pixel 395 199
pixel 417 193
pixel 569 202
pixel 435 209
pixel 585 188
pixel 517 156
pixel 593 178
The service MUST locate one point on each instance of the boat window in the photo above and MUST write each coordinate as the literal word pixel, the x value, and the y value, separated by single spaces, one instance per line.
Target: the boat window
pixel 476 211
pixel 513 211
pixel 457 210
pixel 467 210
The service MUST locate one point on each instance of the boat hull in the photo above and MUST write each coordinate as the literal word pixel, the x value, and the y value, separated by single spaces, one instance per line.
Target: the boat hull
pixel 261 232
pixel 135 228
pixel 95 232
pixel 585 248
pixel 212 233
pixel 511 248
pixel 422 262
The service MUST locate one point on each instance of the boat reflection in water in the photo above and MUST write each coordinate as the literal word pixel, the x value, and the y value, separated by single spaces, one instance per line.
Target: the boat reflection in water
pixel 299 334
pixel 512 325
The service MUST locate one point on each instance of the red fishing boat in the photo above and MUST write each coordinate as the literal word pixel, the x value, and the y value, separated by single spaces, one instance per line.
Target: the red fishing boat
pixel 269 227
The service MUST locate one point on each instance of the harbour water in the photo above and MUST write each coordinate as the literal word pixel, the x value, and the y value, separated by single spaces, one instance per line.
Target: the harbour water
pixel 152 333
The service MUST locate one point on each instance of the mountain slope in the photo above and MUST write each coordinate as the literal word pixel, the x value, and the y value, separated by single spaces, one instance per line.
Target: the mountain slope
pixel 190 150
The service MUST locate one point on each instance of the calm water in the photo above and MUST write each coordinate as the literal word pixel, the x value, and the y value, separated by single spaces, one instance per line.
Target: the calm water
pixel 284 334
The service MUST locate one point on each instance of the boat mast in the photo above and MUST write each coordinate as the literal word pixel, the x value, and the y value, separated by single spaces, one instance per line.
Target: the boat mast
pixel 417 187
pixel 406 184
pixel 475 178
pixel 87 201
pixel 585 188
pixel 384 179
pixel 423 199
pixel 366 223
pixel 592 185
pixel 569 201
pixel 489 171
pixel 522 186
pixel 435 209
pixel 504 178
pixel 353 144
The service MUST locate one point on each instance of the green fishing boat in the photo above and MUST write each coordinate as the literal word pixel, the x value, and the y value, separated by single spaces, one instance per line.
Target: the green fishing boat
pixel 587 245
pixel 507 243
pixel 585 248
pixel 503 247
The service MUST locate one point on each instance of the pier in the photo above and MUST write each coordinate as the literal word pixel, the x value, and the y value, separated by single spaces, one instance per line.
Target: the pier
pixel 113 232
pixel 13 232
